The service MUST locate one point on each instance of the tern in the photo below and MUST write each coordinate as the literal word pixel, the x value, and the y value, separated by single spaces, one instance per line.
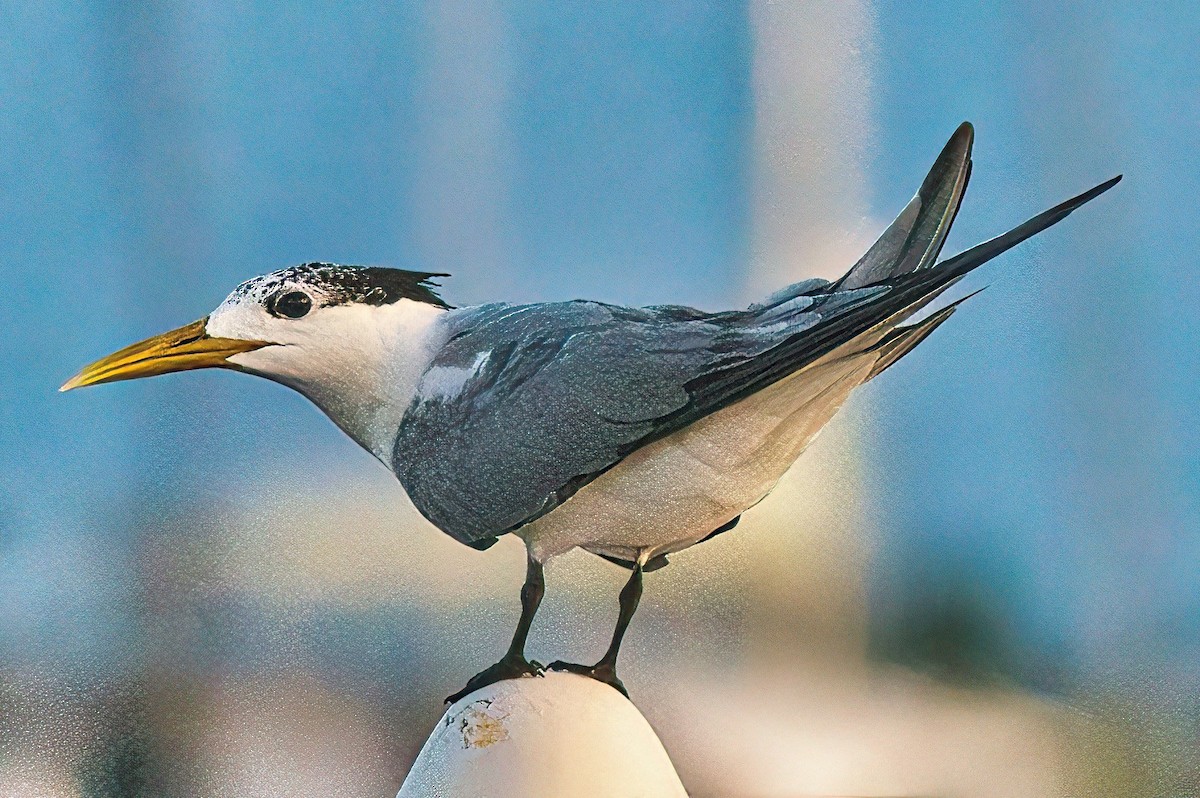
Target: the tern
pixel 632 433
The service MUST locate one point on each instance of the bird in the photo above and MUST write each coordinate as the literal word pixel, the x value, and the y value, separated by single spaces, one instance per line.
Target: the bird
pixel 630 432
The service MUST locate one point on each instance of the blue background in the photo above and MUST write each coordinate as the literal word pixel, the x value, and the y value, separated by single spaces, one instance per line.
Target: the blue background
pixel 1036 462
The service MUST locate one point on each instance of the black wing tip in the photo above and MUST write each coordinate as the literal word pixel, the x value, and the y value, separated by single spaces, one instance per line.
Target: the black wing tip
pixel 1105 186
pixel 961 142
pixel 915 238
pixel 1065 208
pixel 981 253
pixel 958 147
pixel 954 159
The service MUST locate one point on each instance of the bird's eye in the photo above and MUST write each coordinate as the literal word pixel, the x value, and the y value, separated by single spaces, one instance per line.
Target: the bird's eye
pixel 292 304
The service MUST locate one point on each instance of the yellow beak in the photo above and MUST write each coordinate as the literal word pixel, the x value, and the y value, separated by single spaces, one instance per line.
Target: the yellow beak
pixel 178 350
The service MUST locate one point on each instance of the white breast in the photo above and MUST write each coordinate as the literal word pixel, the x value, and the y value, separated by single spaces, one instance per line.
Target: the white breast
pixel 672 493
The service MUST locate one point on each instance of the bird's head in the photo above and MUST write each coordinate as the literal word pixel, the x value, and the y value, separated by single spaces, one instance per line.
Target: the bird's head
pixel 320 328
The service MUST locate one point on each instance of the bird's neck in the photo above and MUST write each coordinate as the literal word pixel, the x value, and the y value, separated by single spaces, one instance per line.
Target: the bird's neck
pixel 371 387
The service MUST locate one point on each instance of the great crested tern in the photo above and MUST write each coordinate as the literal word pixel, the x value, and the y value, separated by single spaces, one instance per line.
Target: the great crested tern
pixel 632 433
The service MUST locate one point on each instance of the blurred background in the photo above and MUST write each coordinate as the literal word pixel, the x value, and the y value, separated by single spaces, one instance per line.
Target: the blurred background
pixel 982 579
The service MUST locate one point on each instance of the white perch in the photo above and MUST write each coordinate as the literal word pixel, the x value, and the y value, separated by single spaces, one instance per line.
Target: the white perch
pixel 558 735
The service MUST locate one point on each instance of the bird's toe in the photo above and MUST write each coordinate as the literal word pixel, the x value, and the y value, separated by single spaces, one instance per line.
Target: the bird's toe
pixel 601 672
pixel 507 668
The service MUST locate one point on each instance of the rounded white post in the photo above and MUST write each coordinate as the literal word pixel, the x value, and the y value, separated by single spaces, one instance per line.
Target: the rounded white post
pixel 556 735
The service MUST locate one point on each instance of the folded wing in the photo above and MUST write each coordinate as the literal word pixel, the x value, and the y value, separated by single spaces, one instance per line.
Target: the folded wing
pixel 527 404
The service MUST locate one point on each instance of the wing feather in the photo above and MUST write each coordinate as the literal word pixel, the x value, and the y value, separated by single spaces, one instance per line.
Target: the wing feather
pixel 914 240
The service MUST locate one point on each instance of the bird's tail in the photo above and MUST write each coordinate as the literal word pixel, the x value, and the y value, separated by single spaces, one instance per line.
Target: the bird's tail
pixel 880 324
pixel 916 289
pixel 866 312
pixel 914 240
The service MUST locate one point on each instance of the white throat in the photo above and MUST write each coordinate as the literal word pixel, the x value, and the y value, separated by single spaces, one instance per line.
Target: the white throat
pixel 361 366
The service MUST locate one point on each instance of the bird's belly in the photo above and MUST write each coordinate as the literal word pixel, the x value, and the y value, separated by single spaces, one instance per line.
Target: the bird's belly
pixel 674 492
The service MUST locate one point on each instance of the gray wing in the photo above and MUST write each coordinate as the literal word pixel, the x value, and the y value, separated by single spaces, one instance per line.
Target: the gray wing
pixel 524 405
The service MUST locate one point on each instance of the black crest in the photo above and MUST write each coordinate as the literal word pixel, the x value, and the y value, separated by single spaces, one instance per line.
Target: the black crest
pixel 335 284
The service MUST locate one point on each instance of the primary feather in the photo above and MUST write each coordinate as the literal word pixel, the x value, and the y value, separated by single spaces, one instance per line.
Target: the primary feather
pixel 914 240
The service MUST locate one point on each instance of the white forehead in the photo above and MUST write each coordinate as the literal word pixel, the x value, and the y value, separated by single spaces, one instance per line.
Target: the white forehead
pixel 256 290
pixel 239 316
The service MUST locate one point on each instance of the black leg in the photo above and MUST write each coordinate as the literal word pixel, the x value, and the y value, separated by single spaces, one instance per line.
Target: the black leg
pixel 531 598
pixel 631 596
pixel 513 664
pixel 606 669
